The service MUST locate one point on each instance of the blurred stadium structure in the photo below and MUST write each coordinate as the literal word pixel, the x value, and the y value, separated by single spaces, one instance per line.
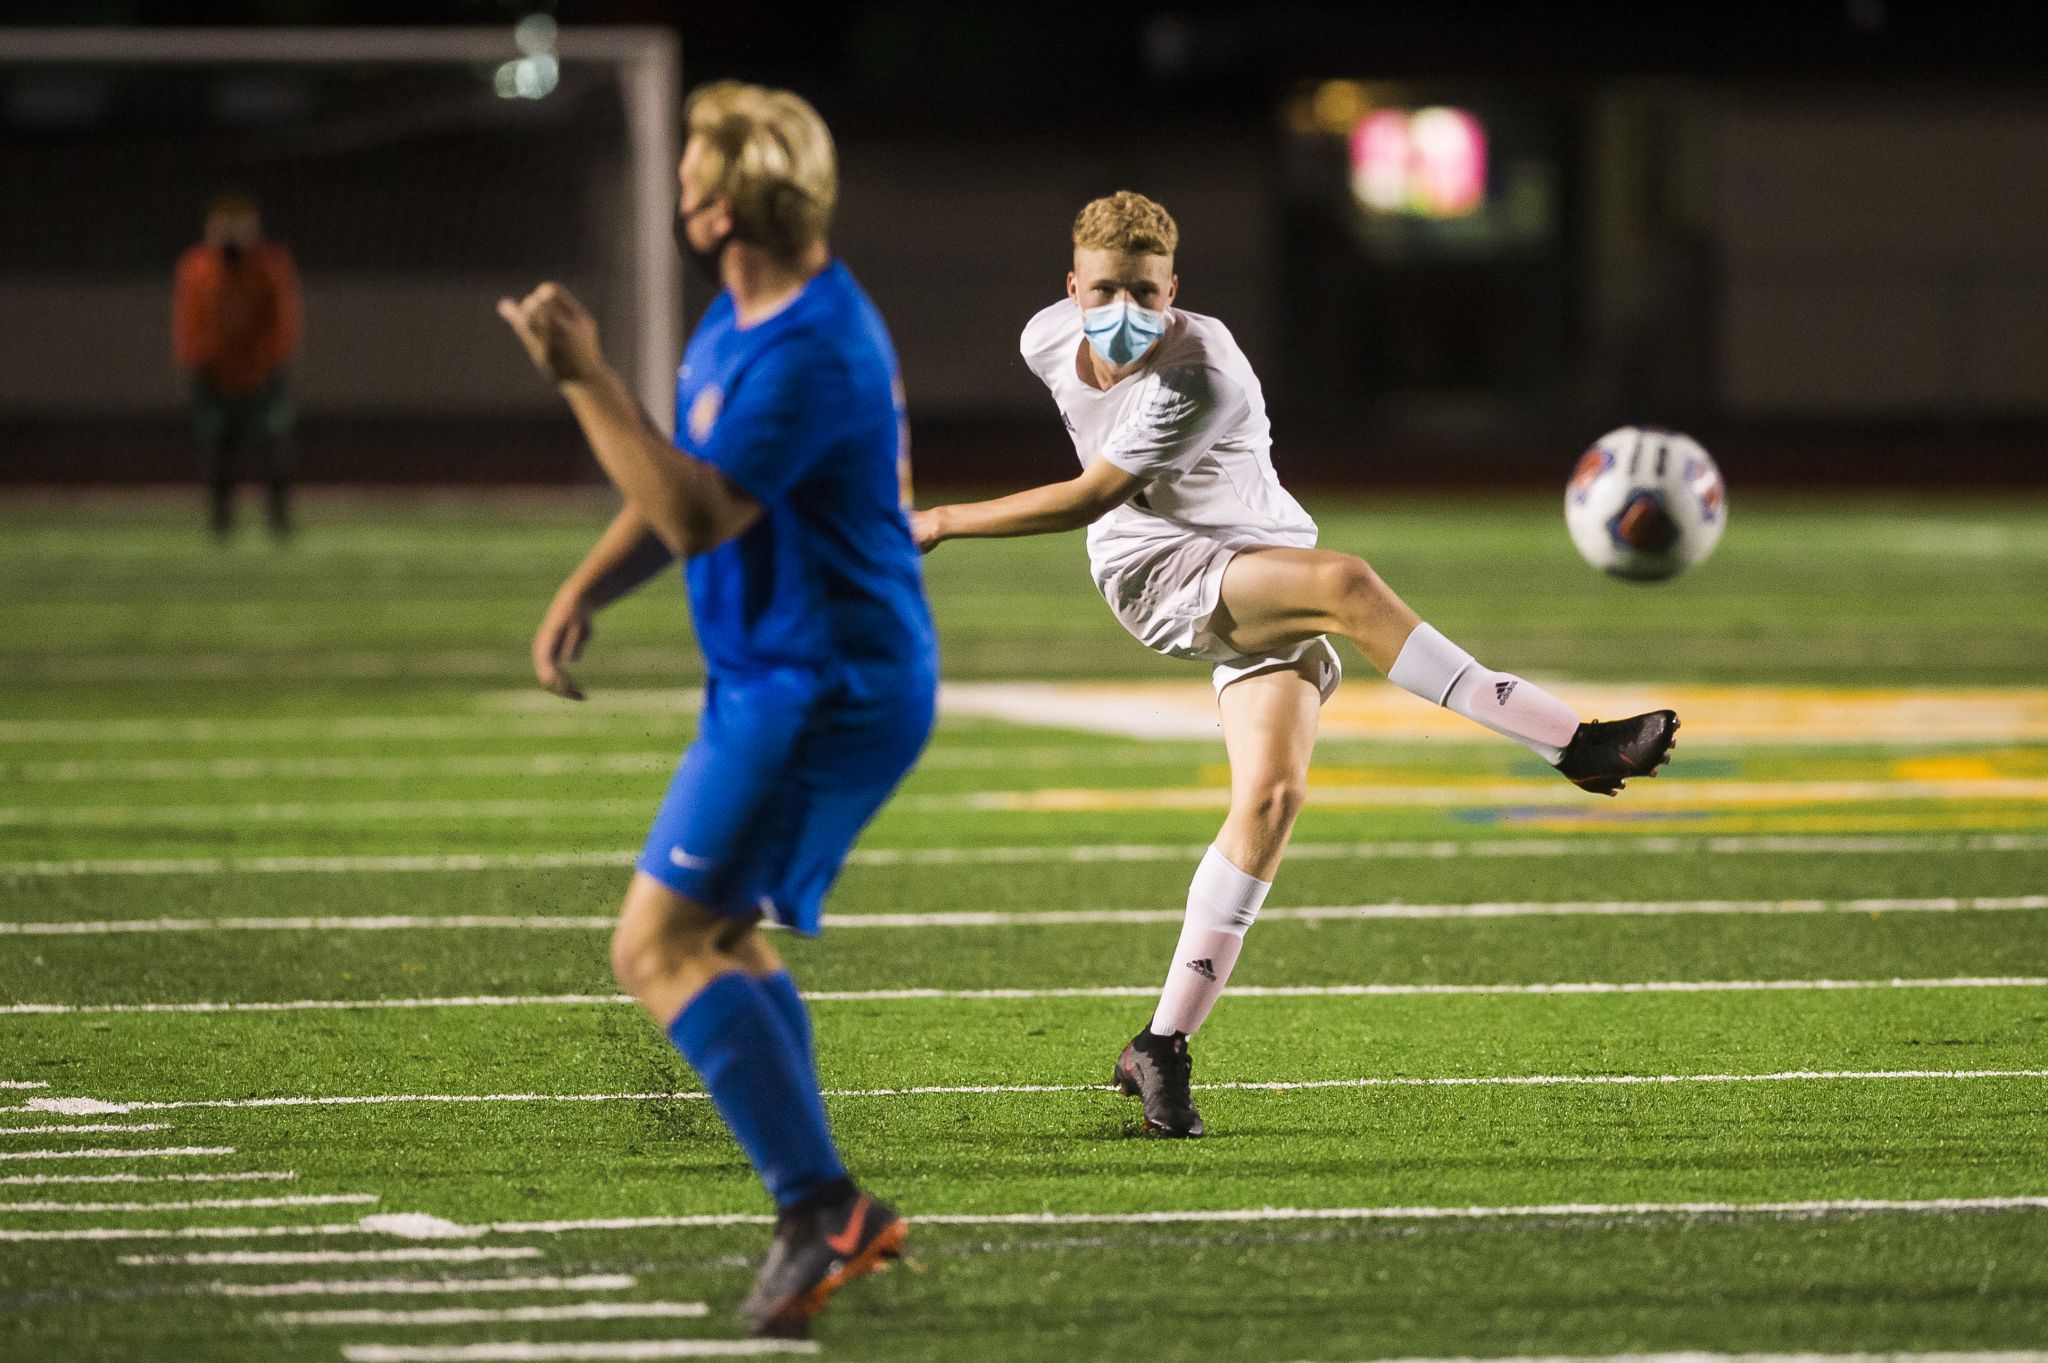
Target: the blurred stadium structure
pixel 1827 280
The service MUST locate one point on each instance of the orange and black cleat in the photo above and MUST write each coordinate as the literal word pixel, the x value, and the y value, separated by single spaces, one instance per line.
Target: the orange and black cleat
pixel 1604 756
pixel 817 1251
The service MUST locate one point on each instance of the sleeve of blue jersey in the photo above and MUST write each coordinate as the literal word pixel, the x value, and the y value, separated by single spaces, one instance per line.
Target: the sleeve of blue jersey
pixel 779 417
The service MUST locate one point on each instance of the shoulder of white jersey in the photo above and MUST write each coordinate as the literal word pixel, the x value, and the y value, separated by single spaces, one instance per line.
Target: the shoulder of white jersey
pixel 1051 332
pixel 1195 357
pixel 1208 337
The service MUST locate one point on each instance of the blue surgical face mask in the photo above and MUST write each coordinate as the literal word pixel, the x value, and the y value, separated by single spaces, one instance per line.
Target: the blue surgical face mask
pixel 1122 332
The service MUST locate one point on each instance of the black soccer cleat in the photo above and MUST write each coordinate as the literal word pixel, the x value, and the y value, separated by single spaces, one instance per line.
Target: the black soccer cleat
pixel 1159 1070
pixel 1603 756
pixel 817 1251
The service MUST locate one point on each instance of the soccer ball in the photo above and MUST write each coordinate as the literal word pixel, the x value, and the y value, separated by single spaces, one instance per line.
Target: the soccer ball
pixel 1645 504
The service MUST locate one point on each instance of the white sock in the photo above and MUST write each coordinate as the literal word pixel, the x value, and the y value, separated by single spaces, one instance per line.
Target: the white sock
pixel 1434 668
pixel 1222 902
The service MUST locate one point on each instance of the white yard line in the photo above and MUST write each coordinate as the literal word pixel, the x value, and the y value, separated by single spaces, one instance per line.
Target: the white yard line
pixel 1541 1211
pixel 365 1287
pixel 619 1351
pixel 1130 991
pixel 1440 850
pixel 41 1180
pixel 997 918
pixel 106 1233
pixel 940 1090
pixel 458 1254
pixel 1084 853
pixel 1325 991
pixel 1940 1206
pixel 520 1315
pixel 175 1152
pixel 201 1204
pixel 95 1129
pixel 24 1084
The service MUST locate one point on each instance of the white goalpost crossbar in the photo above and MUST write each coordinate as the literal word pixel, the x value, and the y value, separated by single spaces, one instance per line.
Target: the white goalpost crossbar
pixel 648 60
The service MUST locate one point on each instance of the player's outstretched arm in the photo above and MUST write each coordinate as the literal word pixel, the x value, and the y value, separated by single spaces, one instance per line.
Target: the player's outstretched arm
pixel 626 555
pixel 1045 510
pixel 689 504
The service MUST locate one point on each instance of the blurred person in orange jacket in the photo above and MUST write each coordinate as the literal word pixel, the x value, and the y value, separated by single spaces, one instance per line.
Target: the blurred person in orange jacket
pixel 235 328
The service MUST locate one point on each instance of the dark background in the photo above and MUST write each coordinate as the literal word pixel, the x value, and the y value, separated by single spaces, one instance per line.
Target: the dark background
pixel 1815 235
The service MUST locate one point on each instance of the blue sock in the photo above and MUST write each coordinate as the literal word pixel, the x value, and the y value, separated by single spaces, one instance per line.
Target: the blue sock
pixel 789 1006
pixel 758 1078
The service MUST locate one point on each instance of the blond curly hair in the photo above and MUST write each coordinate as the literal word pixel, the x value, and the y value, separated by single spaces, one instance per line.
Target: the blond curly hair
pixel 1126 222
pixel 769 152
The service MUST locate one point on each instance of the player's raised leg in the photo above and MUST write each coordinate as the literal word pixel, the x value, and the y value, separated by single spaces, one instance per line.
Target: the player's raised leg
pixel 1269 730
pixel 1274 597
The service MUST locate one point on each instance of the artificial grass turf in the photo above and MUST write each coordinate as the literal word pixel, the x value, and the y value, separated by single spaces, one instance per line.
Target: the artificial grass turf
pixel 398 634
pixel 1256 1293
pixel 1867 589
pixel 220 966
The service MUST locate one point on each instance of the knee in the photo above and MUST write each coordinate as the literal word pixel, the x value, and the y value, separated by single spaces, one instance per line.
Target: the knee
pixel 1273 803
pixel 1353 589
pixel 643 956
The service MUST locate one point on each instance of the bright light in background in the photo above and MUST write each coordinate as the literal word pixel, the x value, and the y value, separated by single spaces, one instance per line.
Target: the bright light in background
pixel 1430 163
pixel 535 75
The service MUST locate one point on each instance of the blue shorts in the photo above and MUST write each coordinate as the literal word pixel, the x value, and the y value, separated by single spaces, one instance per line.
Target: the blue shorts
pixel 785 772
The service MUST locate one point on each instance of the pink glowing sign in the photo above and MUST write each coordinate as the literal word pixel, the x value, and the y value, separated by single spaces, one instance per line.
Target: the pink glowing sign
pixel 1430 162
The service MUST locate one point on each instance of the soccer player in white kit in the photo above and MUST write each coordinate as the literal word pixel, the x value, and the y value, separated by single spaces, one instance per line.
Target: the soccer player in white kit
pixel 1202 554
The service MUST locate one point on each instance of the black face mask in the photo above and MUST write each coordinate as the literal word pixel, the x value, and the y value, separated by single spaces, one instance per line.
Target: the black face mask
pixel 706 261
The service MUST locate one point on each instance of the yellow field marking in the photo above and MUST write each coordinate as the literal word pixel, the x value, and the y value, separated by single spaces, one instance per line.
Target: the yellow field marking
pixel 1365 707
pixel 1979 768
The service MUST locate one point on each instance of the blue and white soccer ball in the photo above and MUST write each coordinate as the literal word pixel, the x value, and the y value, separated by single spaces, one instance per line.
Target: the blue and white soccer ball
pixel 1645 504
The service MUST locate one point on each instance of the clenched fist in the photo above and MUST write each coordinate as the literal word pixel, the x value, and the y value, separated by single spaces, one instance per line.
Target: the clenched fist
pixel 558 332
pixel 926 529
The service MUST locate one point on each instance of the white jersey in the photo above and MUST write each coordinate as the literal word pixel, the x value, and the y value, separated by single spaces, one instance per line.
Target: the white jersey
pixel 1192 421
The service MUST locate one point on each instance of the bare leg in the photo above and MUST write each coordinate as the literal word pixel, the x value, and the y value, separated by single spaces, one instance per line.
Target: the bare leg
pixel 667 948
pixel 1275 597
pixel 1269 731
pixel 1269 727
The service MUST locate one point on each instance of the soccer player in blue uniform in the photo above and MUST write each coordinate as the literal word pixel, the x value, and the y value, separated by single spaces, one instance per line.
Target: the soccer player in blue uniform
pixel 783 494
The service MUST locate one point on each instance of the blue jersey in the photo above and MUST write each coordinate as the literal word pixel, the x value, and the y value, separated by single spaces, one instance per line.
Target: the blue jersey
pixel 804 411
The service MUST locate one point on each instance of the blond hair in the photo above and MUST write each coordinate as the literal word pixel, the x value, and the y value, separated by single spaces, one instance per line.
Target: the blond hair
pixel 1126 222
pixel 769 152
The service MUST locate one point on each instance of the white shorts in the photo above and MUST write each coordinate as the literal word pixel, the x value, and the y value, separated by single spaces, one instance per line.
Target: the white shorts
pixel 1165 591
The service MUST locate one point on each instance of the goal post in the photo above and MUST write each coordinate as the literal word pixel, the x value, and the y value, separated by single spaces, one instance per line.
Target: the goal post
pixel 644 61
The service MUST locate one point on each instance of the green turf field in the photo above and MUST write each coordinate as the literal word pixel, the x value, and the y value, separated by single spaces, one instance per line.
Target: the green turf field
pixel 303 905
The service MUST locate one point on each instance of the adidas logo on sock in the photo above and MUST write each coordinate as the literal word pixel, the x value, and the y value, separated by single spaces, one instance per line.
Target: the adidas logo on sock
pixel 1502 690
pixel 1204 967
